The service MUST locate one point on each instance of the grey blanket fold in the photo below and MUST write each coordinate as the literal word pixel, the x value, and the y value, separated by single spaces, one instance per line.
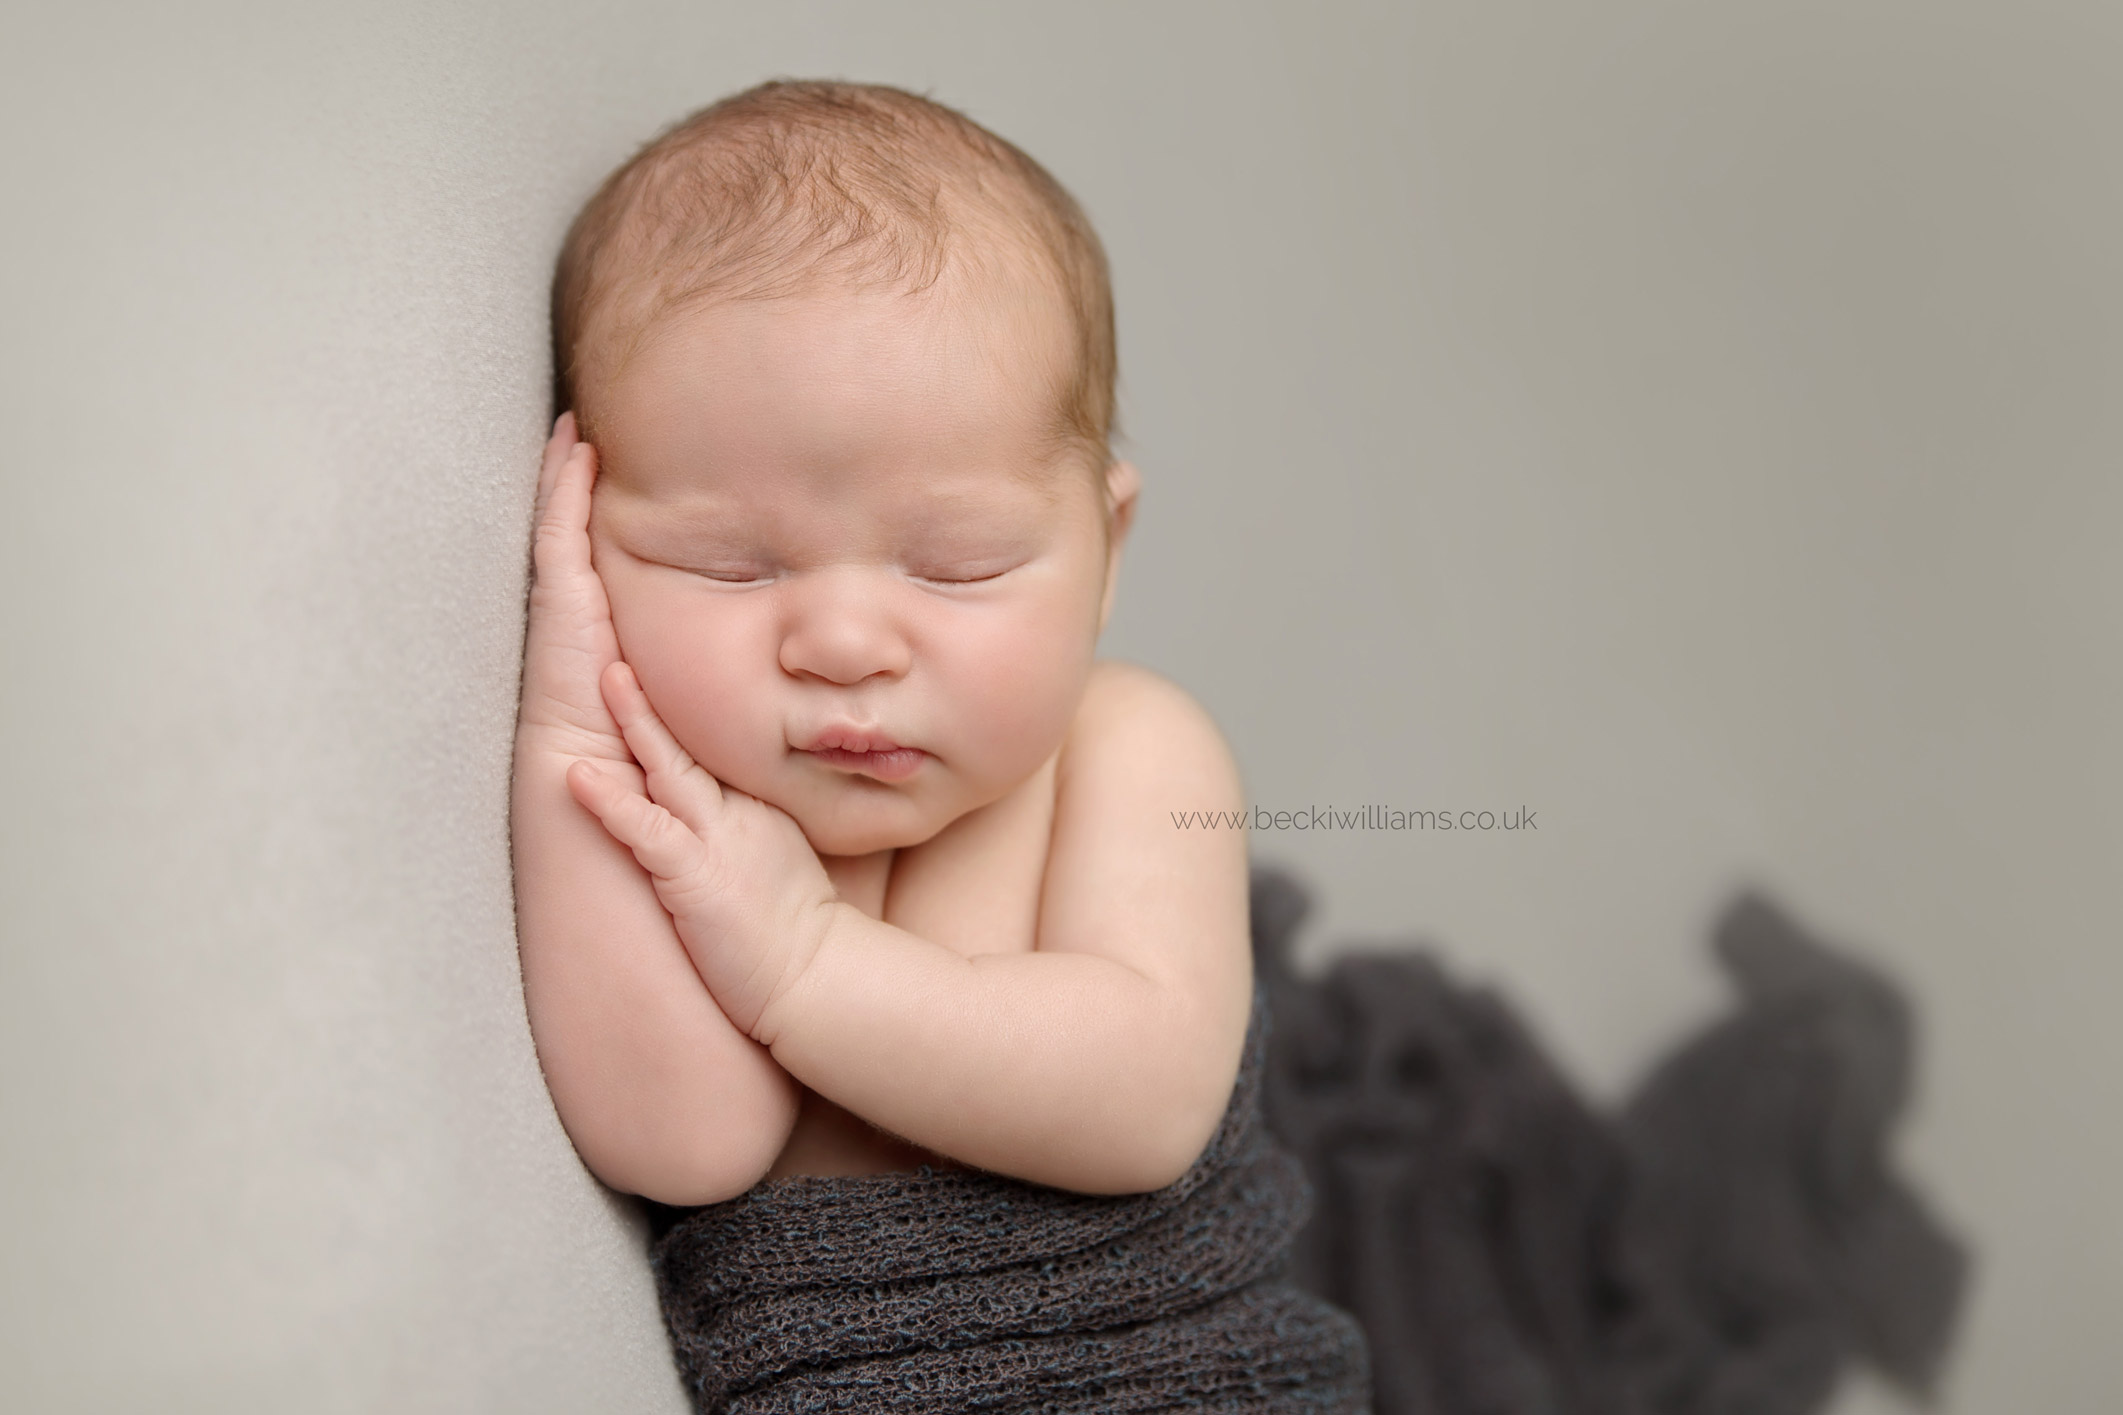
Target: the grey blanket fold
pixel 960 1290
pixel 1728 1244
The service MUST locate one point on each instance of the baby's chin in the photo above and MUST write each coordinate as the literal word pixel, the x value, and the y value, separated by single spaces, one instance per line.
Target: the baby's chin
pixel 854 815
pixel 856 837
pixel 862 827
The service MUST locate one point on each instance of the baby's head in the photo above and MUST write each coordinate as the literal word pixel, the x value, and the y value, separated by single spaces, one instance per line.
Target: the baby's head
pixel 848 362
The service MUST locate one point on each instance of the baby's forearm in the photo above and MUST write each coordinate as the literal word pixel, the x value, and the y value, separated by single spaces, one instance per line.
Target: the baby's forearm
pixel 661 1095
pixel 1064 1069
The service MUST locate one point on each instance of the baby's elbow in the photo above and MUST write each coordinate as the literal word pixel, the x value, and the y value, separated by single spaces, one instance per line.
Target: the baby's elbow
pixel 692 1188
pixel 691 1180
pixel 686 1165
pixel 1175 1151
pixel 1163 1153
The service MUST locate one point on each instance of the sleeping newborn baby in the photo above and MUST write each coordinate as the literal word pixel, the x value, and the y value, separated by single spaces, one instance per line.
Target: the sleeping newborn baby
pixel 853 920
pixel 838 850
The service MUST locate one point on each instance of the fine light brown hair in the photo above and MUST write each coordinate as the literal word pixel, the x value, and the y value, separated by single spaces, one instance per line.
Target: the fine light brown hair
pixel 795 183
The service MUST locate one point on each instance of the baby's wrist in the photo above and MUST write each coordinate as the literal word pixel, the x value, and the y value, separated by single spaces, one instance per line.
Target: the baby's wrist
pixel 832 927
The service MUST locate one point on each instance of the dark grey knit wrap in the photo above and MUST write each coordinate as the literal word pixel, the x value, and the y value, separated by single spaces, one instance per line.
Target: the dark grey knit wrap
pixel 961 1290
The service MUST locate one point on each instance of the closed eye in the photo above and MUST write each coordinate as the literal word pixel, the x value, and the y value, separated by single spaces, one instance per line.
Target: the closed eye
pixel 963 577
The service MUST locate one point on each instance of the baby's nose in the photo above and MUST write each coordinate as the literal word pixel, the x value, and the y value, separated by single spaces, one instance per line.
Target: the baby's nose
pixel 840 628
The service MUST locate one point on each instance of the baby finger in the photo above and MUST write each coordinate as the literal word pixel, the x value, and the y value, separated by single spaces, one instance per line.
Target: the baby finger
pixel 560 549
pixel 675 779
pixel 663 845
pixel 557 448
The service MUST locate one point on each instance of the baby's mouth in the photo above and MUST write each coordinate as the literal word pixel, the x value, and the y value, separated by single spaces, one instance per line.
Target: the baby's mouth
pixel 865 750
pixel 895 765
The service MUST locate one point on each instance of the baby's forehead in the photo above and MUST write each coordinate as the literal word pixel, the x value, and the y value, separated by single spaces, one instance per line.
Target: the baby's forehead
pixel 843 383
pixel 1017 494
pixel 988 266
pixel 960 370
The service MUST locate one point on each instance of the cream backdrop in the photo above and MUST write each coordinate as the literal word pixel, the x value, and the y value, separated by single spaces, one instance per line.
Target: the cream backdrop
pixel 1696 424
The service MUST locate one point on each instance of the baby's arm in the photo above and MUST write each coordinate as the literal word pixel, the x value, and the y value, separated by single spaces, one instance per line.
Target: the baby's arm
pixel 1101 1061
pixel 661 1095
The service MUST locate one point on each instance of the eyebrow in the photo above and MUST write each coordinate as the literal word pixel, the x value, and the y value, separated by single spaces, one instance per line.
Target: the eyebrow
pixel 1045 483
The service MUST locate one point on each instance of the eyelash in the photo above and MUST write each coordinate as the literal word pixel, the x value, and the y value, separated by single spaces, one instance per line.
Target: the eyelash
pixel 731 579
pixel 965 580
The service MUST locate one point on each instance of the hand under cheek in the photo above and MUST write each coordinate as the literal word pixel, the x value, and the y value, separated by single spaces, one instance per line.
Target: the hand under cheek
pixel 747 894
pixel 748 756
pixel 708 670
pixel 724 722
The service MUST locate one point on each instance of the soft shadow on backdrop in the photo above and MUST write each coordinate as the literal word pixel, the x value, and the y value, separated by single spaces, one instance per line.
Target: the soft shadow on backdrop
pixel 1694 425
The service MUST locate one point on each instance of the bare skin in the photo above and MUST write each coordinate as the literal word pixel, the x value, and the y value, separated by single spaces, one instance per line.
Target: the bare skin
pixel 975 937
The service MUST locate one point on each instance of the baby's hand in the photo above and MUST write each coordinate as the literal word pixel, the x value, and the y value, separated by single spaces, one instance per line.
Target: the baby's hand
pixel 570 641
pixel 751 901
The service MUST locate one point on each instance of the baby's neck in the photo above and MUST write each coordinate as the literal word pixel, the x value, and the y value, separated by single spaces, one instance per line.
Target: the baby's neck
pixel 861 879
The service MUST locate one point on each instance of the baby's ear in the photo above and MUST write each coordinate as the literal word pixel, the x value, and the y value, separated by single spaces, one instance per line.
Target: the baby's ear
pixel 1122 484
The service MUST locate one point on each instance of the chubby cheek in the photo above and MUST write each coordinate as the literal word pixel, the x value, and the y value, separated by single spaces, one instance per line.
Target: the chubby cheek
pixel 1018 682
pixel 697 660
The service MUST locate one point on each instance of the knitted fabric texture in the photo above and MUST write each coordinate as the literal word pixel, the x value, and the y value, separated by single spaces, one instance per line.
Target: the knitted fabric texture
pixel 960 1290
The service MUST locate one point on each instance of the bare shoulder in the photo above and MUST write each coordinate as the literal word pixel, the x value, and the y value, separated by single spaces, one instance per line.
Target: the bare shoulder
pixel 1131 714
pixel 1131 874
pixel 1135 877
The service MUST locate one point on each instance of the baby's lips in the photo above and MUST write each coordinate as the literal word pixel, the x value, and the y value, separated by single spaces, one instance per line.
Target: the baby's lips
pixel 895 765
pixel 851 739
